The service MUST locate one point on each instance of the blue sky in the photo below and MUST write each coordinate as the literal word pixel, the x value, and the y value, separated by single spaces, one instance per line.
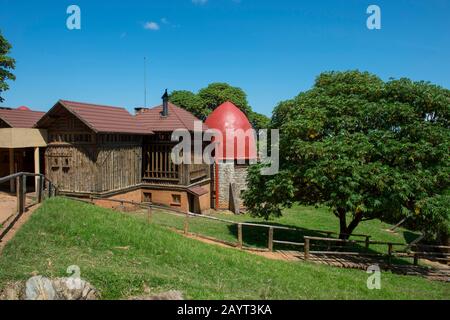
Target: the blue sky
pixel 271 49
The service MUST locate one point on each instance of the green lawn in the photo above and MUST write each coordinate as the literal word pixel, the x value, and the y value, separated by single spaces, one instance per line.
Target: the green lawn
pixel 121 254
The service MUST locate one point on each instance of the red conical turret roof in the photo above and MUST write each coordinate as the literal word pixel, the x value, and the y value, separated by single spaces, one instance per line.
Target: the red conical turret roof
pixel 229 118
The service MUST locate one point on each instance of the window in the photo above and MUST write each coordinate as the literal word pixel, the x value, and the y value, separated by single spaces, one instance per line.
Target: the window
pixel 147 197
pixel 176 200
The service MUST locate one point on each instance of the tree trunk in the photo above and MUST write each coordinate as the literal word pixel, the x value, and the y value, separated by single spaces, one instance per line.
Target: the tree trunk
pixel 344 230
pixel 343 235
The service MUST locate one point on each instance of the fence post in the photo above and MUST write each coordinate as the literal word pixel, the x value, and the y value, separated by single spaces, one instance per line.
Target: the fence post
pixel 367 242
pixel 186 224
pixel 20 195
pixel 149 214
pixel 270 245
pixel 50 187
pixel 240 241
pixel 40 189
pixel 416 259
pixel 389 253
pixel 306 248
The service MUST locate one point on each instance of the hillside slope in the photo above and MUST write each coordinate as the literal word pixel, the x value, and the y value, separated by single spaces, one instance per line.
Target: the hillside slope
pixel 121 255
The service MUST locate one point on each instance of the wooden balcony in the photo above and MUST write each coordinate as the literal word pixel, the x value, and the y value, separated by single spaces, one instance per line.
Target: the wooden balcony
pixel 158 167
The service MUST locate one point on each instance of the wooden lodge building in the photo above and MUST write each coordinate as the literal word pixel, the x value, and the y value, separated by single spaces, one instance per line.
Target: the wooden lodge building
pixel 102 151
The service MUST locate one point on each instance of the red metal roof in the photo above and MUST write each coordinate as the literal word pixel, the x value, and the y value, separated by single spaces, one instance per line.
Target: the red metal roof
pixel 20 118
pixel 178 118
pixel 229 117
pixel 103 119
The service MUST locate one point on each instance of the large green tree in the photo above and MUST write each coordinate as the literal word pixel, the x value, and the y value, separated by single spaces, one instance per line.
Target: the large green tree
pixel 209 98
pixel 190 102
pixel 7 64
pixel 217 93
pixel 363 147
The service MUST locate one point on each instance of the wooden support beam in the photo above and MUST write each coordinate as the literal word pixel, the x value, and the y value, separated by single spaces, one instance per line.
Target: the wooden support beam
pixel 12 185
pixel 37 168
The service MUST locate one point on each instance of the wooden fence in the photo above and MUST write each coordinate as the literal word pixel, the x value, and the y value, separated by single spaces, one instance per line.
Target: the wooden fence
pixel 391 253
pixel 240 233
pixel 307 244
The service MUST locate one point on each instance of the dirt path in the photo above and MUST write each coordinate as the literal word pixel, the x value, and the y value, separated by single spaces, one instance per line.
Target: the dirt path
pixel 8 206
pixel 9 222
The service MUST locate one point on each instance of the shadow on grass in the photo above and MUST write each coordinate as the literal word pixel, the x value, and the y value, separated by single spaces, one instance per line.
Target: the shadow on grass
pixel 257 237
pixel 409 236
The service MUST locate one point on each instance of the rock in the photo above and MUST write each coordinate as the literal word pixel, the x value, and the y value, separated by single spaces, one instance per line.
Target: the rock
pixel 41 288
pixel 169 295
pixel 74 289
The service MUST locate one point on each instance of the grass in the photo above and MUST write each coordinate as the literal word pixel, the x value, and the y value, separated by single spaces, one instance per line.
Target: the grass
pixel 304 219
pixel 122 254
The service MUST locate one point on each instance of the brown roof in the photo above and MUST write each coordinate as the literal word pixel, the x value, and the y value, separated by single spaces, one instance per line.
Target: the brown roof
pixel 103 119
pixel 20 118
pixel 197 191
pixel 178 118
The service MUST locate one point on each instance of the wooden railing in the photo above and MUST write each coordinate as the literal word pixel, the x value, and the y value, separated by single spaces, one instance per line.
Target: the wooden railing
pixel 416 254
pixel 21 192
pixel 307 244
pixel 271 231
pixel 21 183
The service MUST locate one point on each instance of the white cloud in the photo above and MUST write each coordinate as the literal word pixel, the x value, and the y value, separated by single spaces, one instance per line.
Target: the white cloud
pixel 151 26
pixel 200 2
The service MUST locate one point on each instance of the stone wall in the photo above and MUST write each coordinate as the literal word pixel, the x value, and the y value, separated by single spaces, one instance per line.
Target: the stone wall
pixel 231 173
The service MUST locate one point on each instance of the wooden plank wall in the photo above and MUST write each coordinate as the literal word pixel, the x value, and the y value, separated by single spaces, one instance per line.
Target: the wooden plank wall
pixel 71 168
pixel 118 167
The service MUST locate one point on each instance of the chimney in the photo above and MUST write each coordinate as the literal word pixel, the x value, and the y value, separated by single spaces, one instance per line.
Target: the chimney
pixel 165 98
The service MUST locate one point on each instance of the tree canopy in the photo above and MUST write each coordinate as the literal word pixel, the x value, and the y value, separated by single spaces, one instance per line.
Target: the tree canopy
pixel 209 98
pixel 363 147
pixel 6 65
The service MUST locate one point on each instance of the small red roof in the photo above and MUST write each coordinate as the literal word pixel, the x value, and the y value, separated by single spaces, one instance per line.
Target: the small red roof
pixel 16 118
pixel 178 118
pixel 197 191
pixel 99 118
pixel 229 117
pixel 23 108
